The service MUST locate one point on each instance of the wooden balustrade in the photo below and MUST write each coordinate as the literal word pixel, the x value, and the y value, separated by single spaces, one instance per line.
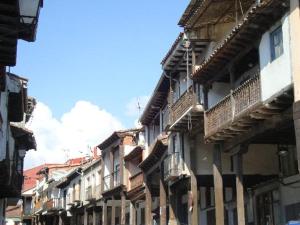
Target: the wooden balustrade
pixel 187 100
pixel 136 180
pixel 233 106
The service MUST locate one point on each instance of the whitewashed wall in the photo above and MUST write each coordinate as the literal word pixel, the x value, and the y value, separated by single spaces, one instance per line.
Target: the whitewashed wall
pixel 275 75
pixel 217 92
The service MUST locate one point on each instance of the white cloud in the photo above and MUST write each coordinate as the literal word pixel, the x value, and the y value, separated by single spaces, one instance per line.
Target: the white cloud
pixel 84 125
pixel 136 106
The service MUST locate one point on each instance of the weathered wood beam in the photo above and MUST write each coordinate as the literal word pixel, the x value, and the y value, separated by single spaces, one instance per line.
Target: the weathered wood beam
pixel 238 167
pixel 218 184
pixel 123 208
pixel 272 123
pixel 162 201
pixel 148 206
pixel 132 214
pixel 113 211
pixel 104 212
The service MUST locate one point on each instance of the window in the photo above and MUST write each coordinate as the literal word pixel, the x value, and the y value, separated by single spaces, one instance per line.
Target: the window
pixel 276 43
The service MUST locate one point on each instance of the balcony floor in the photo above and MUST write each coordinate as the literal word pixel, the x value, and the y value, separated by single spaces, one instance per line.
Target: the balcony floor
pixel 191 119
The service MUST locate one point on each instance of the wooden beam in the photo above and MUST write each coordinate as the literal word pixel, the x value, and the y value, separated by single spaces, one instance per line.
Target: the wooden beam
pixel 172 208
pixel 123 208
pixel 113 211
pixel 194 216
pixel 148 207
pixel 238 167
pixel 94 217
pixel 218 184
pixel 111 159
pixel 272 123
pixel 295 45
pixel 296 115
pixel 104 213
pixel 85 217
pixel 132 214
pixel 162 201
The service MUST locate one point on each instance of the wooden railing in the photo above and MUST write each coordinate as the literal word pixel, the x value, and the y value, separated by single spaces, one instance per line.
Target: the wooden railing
pixel 188 99
pixel 238 102
pixel 52 204
pixel 37 206
pixel 89 193
pixel 136 180
pixel 112 180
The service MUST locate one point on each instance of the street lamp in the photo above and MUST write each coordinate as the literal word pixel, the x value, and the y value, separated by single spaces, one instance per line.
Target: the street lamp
pixel 29 13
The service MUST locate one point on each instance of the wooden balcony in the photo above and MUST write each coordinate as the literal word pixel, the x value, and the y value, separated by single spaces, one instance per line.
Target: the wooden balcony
pixel 227 115
pixel 52 204
pixel 185 111
pixel 38 206
pixel 136 181
pixel 112 181
pixel 90 194
pixel 241 110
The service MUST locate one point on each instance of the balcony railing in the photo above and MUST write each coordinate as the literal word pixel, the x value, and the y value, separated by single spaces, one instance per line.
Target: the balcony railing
pixel 89 194
pixel 37 207
pixel 136 180
pixel 187 101
pixel 233 106
pixel 173 166
pixel 52 204
pixel 112 180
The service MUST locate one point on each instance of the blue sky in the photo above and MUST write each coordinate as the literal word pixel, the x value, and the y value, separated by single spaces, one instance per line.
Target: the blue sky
pixel 105 52
pixel 90 63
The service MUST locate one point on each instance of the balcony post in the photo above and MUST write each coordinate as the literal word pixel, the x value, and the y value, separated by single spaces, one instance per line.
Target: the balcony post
pixel 113 211
pixel 104 212
pixel 122 170
pixel 238 168
pixel 123 208
pixel 193 217
pixel 193 58
pixel 295 55
pixel 132 213
pixel 94 216
pixel 172 207
pixel 148 206
pixel 111 158
pixel 85 217
pixel 162 201
pixel 218 184
pixel 60 220
pixel 205 97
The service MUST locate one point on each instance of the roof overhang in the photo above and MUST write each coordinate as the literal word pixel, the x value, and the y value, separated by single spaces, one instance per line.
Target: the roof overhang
pixel 157 150
pixel 176 58
pixel 23 136
pixel 210 12
pixel 257 21
pixel 188 12
pixel 157 100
